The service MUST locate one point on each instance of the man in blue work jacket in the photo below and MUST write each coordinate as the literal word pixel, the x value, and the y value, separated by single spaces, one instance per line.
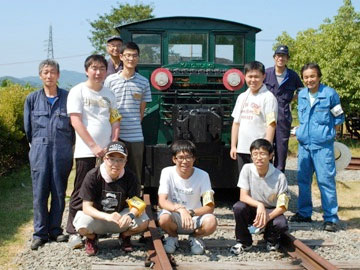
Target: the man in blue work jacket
pixel 282 82
pixel 319 111
pixel 51 137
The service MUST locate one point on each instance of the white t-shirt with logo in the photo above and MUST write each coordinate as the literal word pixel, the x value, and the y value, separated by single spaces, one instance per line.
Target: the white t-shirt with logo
pixel 94 107
pixel 254 113
pixel 187 192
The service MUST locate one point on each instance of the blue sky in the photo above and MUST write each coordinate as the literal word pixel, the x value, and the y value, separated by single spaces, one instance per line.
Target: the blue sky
pixel 24 25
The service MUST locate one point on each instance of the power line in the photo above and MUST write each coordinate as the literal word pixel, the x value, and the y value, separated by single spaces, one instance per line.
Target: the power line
pixel 39 60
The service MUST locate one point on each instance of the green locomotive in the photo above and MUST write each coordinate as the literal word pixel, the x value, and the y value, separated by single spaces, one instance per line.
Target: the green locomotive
pixel 194 65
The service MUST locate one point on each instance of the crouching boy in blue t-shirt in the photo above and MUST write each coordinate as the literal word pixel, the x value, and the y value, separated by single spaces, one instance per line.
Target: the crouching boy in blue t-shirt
pixel 263 199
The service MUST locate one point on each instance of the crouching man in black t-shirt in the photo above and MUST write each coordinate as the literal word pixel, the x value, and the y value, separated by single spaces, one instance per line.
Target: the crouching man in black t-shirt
pixel 110 204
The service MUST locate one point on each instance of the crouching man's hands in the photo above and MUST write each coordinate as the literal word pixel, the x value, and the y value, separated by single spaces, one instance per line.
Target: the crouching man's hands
pixel 113 217
pixel 186 219
pixel 262 216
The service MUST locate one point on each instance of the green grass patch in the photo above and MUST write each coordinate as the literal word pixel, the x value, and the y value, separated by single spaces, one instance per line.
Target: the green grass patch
pixel 348 195
pixel 15 212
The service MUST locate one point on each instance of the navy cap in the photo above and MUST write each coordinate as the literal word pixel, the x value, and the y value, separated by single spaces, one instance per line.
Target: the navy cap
pixel 116 147
pixel 114 38
pixel 282 49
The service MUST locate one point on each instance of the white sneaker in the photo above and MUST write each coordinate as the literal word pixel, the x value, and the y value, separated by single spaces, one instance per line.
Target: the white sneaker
pixel 171 244
pixel 75 241
pixel 239 248
pixel 197 245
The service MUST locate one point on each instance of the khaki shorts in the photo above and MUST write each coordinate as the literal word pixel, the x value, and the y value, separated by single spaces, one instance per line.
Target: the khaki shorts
pixel 98 226
pixel 176 217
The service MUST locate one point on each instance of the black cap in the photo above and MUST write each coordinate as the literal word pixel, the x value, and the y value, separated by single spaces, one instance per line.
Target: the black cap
pixel 116 147
pixel 282 49
pixel 114 38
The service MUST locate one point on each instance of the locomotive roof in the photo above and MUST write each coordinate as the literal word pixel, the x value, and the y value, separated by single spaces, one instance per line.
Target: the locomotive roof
pixel 182 22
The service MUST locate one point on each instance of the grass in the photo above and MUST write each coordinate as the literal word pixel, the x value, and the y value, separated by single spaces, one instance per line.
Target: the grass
pixel 348 194
pixel 15 214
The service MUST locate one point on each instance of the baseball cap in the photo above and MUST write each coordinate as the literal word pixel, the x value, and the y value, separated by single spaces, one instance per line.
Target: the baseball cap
pixel 282 49
pixel 114 38
pixel 116 147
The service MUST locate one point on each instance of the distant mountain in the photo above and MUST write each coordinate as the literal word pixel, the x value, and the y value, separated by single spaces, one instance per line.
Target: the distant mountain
pixel 67 79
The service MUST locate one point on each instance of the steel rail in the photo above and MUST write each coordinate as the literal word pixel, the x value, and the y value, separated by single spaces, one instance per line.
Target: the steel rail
pixel 157 258
pixel 299 251
pixel 354 164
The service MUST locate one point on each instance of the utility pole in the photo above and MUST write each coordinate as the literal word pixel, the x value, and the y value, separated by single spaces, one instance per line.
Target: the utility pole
pixel 50 50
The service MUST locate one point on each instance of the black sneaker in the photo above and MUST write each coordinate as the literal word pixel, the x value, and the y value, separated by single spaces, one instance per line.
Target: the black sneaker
pixel 272 246
pixel 59 238
pixel 36 243
pixel 299 218
pixel 330 226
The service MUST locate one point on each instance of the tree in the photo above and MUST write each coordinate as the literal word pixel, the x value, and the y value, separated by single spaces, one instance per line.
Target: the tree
pixel 104 27
pixel 335 47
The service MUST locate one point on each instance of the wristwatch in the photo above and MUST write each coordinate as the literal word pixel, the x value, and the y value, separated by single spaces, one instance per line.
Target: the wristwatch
pixel 192 212
pixel 131 215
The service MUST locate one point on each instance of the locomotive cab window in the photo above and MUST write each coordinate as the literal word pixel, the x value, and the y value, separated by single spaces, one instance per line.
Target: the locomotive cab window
pixel 150 48
pixel 229 49
pixel 187 47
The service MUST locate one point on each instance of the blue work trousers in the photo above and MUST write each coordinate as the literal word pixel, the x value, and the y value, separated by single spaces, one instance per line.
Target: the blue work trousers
pixel 49 173
pixel 322 162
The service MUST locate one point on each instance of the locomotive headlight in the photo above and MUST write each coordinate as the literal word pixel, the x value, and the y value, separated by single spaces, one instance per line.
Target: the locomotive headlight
pixel 233 79
pixel 161 79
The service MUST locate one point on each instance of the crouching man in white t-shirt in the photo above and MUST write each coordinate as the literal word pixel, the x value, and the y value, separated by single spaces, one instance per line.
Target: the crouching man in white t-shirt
pixel 180 192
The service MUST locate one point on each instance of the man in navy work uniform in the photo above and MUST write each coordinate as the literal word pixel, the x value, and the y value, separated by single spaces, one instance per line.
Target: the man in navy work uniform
pixel 282 82
pixel 51 137
pixel 113 45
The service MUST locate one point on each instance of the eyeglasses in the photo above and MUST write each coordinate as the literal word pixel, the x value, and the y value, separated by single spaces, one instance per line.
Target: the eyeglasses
pixel 116 160
pixel 259 154
pixel 129 56
pixel 183 158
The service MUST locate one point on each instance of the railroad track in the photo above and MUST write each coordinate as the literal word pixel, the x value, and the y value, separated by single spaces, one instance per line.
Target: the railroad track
pixel 157 259
pixel 354 164
pixel 299 251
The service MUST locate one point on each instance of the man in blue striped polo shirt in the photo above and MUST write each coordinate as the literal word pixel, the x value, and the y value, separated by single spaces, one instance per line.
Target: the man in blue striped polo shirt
pixel 132 92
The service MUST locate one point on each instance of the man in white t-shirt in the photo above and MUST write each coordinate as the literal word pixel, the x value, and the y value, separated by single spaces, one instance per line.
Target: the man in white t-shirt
pixel 255 114
pixel 93 114
pixel 180 191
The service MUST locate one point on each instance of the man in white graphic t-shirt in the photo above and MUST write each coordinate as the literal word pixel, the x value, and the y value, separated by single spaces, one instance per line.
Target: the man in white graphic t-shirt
pixel 255 114
pixel 93 114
